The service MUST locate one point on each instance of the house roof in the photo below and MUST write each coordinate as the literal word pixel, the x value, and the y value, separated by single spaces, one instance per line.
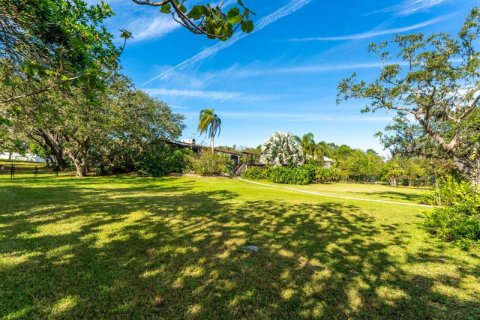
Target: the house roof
pixel 221 150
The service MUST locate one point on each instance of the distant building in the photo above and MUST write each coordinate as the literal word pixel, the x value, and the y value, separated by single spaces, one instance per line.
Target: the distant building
pixel 327 162
pixel 235 155
pixel 18 157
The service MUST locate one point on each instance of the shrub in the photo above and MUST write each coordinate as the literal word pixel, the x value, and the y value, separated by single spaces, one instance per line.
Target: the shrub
pixel 293 175
pixel 257 173
pixel 209 163
pixel 162 160
pixel 305 174
pixel 453 193
pixel 325 175
pixel 458 217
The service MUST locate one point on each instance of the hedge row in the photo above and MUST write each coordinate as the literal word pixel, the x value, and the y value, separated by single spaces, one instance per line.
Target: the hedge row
pixel 305 174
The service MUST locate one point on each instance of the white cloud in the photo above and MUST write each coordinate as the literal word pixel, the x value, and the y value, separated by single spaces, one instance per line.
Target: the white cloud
pixel 149 27
pixel 284 11
pixel 214 95
pixel 308 69
pixel 205 94
pixel 373 33
pixel 411 6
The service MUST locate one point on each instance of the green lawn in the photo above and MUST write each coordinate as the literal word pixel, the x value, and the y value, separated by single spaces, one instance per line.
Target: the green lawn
pixel 174 248
pixel 369 191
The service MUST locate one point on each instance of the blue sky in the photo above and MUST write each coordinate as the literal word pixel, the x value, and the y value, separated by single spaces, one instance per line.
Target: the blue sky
pixel 284 75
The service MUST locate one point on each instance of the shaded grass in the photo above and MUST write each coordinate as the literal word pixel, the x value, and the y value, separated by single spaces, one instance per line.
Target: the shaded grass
pixel 173 248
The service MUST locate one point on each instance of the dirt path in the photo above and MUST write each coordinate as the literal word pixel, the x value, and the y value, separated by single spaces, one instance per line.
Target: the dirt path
pixel 332 195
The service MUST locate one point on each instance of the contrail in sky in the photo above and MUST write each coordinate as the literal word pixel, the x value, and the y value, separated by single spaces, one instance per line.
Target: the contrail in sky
pixel 374 33
pixel 284 11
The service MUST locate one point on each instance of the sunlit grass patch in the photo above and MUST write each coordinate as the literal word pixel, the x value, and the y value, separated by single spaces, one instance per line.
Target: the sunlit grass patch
pixel 175 248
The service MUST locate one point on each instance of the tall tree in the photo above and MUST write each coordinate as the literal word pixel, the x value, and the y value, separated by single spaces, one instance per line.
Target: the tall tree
pixel 435 90
pixel 48 44
pixel 210 124
pixel 307 142
pixel 74 128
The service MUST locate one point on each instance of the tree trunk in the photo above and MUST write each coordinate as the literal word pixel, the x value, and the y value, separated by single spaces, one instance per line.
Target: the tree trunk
pixel 80 166
pixel 393 181
pixel 476 181
pixel 56 149
pixel 470 169
pixel 212 140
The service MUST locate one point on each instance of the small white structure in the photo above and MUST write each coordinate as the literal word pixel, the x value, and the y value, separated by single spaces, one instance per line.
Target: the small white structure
pixel 17 156
pixel 189 141
pixel 327 162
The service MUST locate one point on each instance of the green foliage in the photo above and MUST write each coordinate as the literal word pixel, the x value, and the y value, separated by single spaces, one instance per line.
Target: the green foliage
pixel 452 192
pixel 357 165
pixel 453 225
pixel 306 174
pixel 53 44
pixel 293 175
pixel 109 134
pixel 210 20
pixel 210 124
pixel 257 173
pixel 162 160
pixel 326 175
pixel 458 216
pixel 434 92
pixel 208 163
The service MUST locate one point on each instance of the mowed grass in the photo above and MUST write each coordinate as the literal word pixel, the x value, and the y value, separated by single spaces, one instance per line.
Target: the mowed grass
pixel 370 191
pixel 174 248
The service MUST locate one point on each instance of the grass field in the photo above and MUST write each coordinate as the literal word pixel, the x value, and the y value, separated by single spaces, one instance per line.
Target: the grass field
pixel 174 248
pixel 369 191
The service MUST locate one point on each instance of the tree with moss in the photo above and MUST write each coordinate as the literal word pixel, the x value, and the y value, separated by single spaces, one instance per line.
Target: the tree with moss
pixel 435 91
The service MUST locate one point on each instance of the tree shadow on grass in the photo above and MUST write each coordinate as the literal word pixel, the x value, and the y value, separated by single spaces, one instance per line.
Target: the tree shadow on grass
pixel 179 253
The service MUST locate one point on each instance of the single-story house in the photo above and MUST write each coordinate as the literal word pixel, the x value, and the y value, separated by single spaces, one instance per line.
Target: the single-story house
pixel 235 155
pixel 17 156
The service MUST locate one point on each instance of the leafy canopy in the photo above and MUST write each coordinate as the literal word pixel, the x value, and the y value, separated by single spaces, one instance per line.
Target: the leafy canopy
pixel 435 90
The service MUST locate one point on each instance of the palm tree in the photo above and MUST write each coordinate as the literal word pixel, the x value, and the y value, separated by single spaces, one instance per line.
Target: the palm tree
pixel 308 145
pixel 209 123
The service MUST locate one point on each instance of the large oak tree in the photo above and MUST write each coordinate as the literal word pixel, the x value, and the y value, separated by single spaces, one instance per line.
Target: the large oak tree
pixel 435 90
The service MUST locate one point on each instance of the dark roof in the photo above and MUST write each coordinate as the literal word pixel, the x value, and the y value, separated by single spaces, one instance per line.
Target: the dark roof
pixel 221 150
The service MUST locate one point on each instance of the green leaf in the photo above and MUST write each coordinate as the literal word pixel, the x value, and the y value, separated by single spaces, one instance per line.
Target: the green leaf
pixel 247 26
pixel 182 8
pixel 125 34
pixel 166 8
pixel 197 12
pixel 234 16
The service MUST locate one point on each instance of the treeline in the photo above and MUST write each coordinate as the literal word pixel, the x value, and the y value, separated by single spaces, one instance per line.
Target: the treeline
pixel 354 165
pixel 112 130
